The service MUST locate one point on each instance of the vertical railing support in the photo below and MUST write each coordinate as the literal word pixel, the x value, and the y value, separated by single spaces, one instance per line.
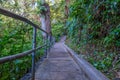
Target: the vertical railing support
pixel 49 39
pixel 45 48
pixel 33 54
pixel 46 45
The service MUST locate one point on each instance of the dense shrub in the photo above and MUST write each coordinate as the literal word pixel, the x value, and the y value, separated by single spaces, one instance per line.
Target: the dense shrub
pixel 94 27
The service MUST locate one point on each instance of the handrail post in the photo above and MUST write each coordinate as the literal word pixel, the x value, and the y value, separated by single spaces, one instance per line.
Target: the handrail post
pixel 49 39
pixel 33 54
pixel 46 42
pixel 53 40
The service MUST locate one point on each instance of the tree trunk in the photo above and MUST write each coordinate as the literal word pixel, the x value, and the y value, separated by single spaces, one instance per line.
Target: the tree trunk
pixel 45 19
pixel 66 8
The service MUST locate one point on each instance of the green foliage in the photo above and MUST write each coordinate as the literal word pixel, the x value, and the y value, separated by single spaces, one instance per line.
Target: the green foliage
pixel 114 37
pixel 103 60
pixel 57 18
pixel 94 23
pixel 40 6
pixel 57 30
pixel 16 37
pixel 10 69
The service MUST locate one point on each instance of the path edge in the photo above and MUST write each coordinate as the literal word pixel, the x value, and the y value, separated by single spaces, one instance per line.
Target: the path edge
pixel 91 72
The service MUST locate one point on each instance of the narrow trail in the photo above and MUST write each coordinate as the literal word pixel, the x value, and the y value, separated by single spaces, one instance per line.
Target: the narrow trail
pixel 59 65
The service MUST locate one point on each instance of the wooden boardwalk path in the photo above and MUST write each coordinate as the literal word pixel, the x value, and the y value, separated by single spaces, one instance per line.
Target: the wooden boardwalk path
pixel 59 65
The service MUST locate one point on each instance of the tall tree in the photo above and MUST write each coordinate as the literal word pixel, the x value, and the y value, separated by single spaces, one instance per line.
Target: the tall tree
pixel 66 8
pixel 45 18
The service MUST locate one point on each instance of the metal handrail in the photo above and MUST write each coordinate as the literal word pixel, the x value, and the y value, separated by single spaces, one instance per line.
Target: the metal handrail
pixel 34 49
pixel 15 16
pixel 19 55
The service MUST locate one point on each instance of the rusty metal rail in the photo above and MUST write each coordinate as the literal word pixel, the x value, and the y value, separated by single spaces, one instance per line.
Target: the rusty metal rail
pixel 48 41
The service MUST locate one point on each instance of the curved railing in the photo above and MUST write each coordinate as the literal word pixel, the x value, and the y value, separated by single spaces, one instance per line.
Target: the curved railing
pixel 47 43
